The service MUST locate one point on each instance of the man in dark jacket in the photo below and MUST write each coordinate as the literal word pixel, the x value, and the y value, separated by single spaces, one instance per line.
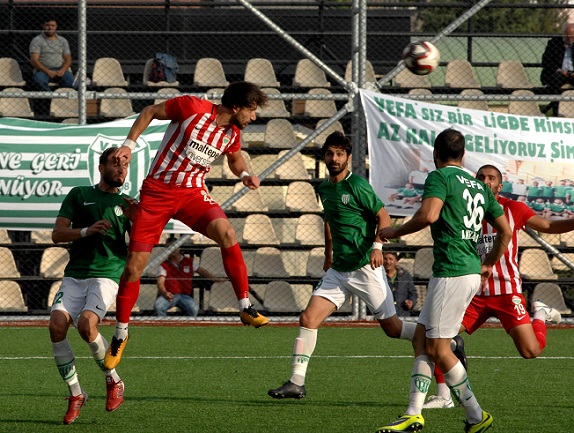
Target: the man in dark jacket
pixel 557 61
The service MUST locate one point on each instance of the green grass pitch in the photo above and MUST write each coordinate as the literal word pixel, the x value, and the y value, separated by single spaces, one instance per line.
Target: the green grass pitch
pixel 215 379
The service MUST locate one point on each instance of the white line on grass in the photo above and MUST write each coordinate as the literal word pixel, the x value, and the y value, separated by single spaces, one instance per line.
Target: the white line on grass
pixel 20 358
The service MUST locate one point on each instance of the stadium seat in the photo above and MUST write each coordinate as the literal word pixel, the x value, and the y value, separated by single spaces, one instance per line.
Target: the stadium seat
pixel 315 262
pixel 420 91
pixel 310 230
pixel 567 239
pixel 525 108
pixel 64 107
pixel 534 264
pixel 320 107
pixel 260 71
pixel 370 76
pixel 279 134
pixel 147 82
pixel 422 238
pixel 295 261
pixel 512 75
pixel 258 230
pixel 226 172
pixel 116 108
pixel 166 90
pixel 4 238
pixel 15 107
pixel 268 263
pixel 274 196
pixel 11 299
pixel 71 120
pixel 293 168
pixel 406 79
pixel 408 264
pixel 211 260
pixel 215 90
pixel 8 267
pixel 424 260
pixel 53 262
pixel 252 201
pixel 108 72
pixel 41 237
pixel 222 298
pixel 150 271
pixel 260 163
pixel 301 197
pixel 320 139
pixel 282 297
pixel 421 296
pixel 273 107
pixel 10 73
pixel 558 265
pixel 551 295
pixel 308 74
pixel 460 74
pixel 473 105
pixel 209 73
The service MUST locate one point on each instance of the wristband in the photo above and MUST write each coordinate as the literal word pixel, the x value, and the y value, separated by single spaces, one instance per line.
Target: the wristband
pixel 244 174
pixel 84 232
pixel 129 143
pixel 377 246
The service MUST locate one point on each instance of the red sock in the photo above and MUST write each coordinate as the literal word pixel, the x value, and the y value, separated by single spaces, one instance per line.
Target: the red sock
pixel 539 327
pixel 236 270
pixel 438 375
pixel 127 296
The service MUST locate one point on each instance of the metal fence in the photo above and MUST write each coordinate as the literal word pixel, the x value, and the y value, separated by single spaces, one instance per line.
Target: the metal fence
pixel 310 57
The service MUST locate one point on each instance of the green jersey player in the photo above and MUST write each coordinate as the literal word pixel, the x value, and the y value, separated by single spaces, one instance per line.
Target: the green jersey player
pixel 95 219
pixel 454 204
pixel 353 260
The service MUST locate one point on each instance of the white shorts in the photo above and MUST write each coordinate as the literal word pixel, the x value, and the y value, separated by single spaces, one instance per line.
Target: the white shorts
pixel 91 294
pixel 368 284
pixel 445 304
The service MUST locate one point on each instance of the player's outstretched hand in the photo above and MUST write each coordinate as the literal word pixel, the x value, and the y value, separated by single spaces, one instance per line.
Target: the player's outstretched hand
pixel 130 207
pixel 387 233
pixel 251 181
pixel 122 154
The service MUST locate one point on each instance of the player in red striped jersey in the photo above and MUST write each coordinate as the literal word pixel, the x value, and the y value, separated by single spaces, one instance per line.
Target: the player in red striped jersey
pixel 502 297
pixel 199 133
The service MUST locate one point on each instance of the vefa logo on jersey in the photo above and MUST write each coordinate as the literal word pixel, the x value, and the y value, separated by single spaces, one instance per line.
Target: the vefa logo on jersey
pixel 139 164
pixel 118 211
pixel 345 198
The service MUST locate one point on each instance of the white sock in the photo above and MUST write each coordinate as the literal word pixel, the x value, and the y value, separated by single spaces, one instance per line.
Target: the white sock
pixel 457 381
pixel 442 390
pixel 408 330
pixel 539 314
pixel 421 378
pixel 66 363
pixel 98 349
pixel 302 351
pixel 244 303
pixel 121 331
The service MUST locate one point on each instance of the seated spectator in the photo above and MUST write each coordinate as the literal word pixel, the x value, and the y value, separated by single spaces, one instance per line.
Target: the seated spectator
pixel 557 64
pixel 51 58
pixel 174 283
pixel 401 284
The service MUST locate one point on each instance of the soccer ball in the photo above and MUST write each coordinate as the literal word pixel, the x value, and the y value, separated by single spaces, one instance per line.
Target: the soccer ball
pixel 421 57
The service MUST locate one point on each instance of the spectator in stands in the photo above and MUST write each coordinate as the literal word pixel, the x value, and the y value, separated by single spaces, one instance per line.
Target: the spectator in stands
pixel 51 58
pixel 456 277
pixel 502 296
pixel 353 261
pixel 90 220
pixel 401 284
pixel 174 283
pixel 199 133
pixel 557 64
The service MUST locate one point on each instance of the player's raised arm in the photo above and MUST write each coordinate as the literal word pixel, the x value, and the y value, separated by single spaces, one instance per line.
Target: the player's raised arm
pixel 141 123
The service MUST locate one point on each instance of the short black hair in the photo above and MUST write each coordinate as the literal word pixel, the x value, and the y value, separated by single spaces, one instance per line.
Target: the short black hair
pixel 243 94
pixel 492 167
pixel 106 154
pixel 449 145
pixel 339 140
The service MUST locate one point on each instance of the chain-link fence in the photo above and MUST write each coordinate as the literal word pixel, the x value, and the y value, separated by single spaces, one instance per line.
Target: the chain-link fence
pixel 306 55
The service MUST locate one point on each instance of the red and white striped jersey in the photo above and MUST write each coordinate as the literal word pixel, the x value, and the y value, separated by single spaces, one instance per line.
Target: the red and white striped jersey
pixel 505 277
pixel 191 142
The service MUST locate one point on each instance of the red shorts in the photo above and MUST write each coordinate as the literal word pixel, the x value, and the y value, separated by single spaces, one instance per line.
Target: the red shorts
pixel 160 202
pixel 509 309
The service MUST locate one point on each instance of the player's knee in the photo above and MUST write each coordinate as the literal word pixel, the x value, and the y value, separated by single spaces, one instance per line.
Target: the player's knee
pixel 530 352
pixel 391 327
pixel 57 331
